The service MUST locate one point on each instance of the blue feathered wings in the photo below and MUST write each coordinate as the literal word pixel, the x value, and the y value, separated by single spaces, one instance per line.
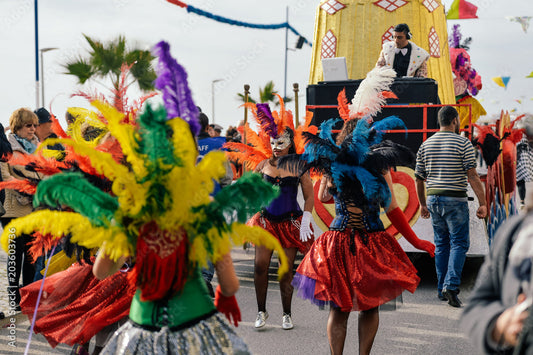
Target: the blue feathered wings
pixel 356 165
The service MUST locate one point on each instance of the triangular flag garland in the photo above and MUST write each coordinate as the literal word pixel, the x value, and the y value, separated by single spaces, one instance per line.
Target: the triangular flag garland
pixel 501 81
pixel 522 20
pixel 461 9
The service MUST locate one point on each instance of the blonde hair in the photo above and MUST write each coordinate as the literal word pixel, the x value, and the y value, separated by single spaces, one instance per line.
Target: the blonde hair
pixel 21 117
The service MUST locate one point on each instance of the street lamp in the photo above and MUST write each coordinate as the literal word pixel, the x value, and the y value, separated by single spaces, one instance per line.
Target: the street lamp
pixel 43 50
pixel 213 98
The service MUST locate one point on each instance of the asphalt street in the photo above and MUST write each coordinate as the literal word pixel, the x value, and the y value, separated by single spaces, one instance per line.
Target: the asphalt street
pixel 421 324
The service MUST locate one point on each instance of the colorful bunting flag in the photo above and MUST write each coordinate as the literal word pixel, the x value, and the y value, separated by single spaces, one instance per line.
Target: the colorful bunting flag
pixel 501 81
pixel 530 75
pixel 522 20
pixel 228 21
pixel 461 9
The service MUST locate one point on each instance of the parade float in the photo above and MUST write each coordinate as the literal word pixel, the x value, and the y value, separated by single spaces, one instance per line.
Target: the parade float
pixel 356 30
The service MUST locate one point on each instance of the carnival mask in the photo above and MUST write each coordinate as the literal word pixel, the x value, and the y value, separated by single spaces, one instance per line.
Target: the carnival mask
pixel 281 142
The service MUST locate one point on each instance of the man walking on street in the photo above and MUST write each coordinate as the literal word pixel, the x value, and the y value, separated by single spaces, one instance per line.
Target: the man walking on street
pixel 446 162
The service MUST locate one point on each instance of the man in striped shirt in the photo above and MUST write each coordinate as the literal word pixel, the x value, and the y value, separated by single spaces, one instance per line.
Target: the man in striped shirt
pixel 446 163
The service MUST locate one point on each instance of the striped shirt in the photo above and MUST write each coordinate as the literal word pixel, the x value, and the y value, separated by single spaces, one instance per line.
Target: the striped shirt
pixel 524 161
pixel 443 160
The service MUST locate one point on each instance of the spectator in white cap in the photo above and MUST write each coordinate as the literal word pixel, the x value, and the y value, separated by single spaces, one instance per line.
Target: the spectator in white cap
pixel 217 129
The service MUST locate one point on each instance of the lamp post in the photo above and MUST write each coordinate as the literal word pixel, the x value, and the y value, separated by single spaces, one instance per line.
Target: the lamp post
pixel 36 17
pixel 213 98
pixel 43 50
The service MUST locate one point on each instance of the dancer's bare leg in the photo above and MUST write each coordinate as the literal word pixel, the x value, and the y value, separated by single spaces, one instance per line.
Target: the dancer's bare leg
pixel 285 284
pixel 368 327
pixel 337 324
pixel 261 265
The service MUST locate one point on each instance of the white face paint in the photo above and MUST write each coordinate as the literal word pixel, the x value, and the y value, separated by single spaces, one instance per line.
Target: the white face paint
pixel 280 143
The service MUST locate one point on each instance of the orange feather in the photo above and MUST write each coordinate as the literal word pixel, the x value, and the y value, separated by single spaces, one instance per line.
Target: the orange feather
pixel 244 154
pixel 283 117
pixel 258 142
pixel 57 129
pixel 19 185
pixel 299 143
pixel 342 102
pixel 389 95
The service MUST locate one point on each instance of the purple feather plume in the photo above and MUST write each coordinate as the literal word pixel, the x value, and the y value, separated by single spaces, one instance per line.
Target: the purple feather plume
pixel 267 122
pixel 172 81
pixel 455 39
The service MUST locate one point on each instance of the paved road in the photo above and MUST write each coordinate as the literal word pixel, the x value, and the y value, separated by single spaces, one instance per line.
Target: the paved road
pixel 421 325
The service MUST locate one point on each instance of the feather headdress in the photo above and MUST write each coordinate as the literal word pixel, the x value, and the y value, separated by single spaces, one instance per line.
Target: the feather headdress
pixel 357 164
pixel 172 81
pixel 271 124
pixel 369 96
pixel 159 208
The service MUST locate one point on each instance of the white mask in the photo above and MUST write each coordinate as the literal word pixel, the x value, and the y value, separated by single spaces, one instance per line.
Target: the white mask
pixel 281 142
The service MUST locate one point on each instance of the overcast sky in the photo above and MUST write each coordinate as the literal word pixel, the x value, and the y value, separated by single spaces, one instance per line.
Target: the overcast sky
pixel 210 50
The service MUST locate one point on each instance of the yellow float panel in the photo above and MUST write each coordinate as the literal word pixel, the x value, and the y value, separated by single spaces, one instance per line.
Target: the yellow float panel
pixel 356 32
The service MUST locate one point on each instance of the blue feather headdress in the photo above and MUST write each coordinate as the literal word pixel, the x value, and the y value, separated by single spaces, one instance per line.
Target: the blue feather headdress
pixel 357 165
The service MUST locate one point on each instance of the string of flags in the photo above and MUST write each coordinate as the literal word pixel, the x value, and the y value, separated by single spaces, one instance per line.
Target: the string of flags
pixel 501 81
pixel 190 8
pixel 461 9
pixel 522 20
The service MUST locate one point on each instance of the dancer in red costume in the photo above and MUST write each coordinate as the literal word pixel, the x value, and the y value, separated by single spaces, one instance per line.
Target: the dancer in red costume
pixel 75 305
pixel 160 213
pixel 356 265
pixel 283 217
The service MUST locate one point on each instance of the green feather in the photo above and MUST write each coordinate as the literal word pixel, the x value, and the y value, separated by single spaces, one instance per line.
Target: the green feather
pixel 236 202
pixel 155 136
pixel 246 196
pixel 74 191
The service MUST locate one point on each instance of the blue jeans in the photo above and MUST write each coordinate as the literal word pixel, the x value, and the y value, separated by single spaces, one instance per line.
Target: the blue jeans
pixel 451 228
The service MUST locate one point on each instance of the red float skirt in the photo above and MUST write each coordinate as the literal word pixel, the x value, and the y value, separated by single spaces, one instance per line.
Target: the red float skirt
pixel 377 271
pixel 75 305
pixel 286 231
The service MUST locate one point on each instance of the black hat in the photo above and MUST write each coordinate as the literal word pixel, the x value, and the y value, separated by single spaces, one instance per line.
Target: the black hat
pixel 43 114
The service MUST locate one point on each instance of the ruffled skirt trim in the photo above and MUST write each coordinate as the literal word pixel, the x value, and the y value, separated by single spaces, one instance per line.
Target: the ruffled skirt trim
pixel 287 232
pixel 355 275
pixel 209 336
pixel 75 305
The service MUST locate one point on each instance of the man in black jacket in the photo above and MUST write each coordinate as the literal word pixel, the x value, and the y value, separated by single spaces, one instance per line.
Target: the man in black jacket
pixel 496 316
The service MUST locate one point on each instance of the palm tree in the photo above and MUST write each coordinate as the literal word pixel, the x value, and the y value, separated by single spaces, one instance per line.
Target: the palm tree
pixel 266 95
pixel 106 60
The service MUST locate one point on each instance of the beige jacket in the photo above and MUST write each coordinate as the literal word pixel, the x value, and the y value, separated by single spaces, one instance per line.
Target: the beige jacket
pixel 12 205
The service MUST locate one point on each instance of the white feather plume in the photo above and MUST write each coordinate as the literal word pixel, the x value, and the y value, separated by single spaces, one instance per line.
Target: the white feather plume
pixel 368 98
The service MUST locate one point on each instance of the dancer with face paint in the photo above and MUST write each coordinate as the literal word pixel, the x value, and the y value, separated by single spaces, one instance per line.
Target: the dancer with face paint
pixel 283 217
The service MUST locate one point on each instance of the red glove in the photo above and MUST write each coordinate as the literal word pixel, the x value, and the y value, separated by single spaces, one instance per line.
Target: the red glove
pixel 228 306
pixel 399 221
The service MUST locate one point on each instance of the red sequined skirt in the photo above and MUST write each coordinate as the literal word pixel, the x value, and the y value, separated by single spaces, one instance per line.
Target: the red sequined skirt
pixel 372 272
pixel 287 231
pixel 75 305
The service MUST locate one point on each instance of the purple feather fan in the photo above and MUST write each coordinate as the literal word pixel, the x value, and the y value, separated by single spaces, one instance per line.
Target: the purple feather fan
pixel 266 120
pixel 455 39
pixel 172 81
